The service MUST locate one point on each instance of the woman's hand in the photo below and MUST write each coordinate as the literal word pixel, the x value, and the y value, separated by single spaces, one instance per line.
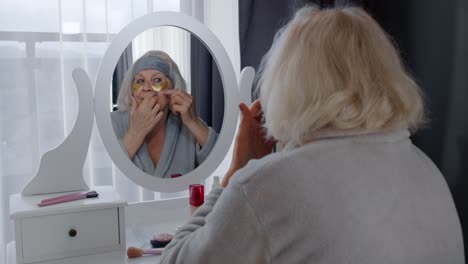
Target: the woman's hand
pixel 142 119
pixel 251 142
pixel 181 103
pixel 144 116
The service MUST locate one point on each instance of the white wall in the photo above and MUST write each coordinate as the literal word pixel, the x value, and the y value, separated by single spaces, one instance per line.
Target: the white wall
pixel 222 17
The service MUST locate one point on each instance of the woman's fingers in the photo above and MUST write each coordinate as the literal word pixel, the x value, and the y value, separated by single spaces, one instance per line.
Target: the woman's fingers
pixel 134 103
pixel 254 112
pixel 180 105
pixel 261 146
pixel 256 108
pixel 156 119
pixel 155 109
pixel 244 110
pixel 243 144
pixel 180 100
pixel 180 108
pixel 148 103
pixel 178 93
pixel 245 125
pixel 257 114
pixel 145 114
pixel 248 117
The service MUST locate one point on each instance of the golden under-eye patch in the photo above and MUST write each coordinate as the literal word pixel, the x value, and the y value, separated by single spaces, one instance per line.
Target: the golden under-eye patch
pixel 136 87
pixel 159 86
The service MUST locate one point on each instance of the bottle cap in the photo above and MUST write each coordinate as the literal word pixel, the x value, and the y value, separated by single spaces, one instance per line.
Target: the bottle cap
pixel 197 194
pixel 216 182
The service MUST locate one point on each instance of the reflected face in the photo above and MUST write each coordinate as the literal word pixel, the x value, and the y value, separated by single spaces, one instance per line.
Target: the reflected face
pixel 151 82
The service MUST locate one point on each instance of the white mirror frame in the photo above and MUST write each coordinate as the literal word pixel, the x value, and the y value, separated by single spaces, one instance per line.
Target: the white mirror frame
pixel 103 103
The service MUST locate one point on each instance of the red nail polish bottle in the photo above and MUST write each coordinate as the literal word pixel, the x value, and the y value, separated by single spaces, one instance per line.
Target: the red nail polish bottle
pixel 197 196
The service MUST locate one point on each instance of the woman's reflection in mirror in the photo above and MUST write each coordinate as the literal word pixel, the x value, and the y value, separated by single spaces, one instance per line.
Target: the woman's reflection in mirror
pixel 156 123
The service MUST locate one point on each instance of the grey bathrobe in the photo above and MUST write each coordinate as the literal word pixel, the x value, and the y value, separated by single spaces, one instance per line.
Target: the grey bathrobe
pixel 368 199
pixel 181 153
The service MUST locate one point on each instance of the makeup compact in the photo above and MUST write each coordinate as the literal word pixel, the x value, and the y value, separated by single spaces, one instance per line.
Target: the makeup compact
pixel 161 240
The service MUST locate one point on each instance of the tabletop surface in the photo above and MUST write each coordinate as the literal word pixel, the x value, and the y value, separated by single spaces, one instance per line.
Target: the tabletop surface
pixel 115 257
pixel 26 206
pixel 136 236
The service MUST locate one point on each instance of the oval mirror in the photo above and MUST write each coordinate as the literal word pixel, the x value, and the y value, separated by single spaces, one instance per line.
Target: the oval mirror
pixel 162 176
pixel 174 69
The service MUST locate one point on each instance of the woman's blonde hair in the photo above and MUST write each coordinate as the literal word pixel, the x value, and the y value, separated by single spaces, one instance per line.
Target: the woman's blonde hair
pixel 335 69
pixel 125 91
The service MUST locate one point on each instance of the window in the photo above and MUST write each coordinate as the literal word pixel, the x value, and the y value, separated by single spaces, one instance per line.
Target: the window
pixel 41 42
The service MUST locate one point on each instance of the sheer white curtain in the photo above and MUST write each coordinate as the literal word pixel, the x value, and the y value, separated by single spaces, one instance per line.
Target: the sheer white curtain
pixel 174 41
pixel 41 42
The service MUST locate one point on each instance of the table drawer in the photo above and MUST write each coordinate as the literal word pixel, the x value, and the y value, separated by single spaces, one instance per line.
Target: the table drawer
pixel 71 234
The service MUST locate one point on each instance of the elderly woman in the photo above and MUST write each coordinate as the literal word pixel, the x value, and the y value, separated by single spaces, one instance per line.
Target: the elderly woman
pixel 156 123
pixel 349 186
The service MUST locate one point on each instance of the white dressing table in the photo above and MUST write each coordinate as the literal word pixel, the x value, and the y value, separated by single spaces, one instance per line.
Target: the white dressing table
pixel 142 221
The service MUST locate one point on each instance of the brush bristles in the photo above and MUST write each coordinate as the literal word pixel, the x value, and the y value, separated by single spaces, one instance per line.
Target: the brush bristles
pixel 134 252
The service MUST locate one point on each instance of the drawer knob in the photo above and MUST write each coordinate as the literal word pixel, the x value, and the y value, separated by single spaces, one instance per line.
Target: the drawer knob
pixel 72 232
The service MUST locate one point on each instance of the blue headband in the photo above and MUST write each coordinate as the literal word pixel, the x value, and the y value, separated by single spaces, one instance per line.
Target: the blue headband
pixel 152 62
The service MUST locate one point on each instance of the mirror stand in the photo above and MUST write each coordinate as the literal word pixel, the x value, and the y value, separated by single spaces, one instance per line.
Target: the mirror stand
pixel 69 228
pixel 246 79
pixel 61 169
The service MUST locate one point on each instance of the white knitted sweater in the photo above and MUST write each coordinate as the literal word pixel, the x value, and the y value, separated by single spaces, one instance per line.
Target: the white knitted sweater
pixel 371 198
